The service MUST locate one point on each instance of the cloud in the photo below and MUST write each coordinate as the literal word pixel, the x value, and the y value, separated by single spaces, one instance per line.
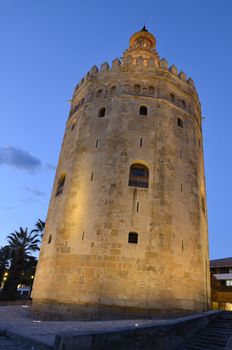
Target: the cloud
pixel 19 159
pixel 7 208
pixel 30 200
pixel 35 191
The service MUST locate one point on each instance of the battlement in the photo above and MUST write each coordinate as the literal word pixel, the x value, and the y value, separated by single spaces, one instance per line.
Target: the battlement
pixel 129 61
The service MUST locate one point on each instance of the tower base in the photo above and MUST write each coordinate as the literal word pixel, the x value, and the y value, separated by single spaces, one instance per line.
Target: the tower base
pixel 62 311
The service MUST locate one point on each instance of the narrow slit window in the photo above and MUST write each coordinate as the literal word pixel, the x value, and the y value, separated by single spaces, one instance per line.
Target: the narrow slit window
pixel 73 126
pixel 102 112
pixel 49 239
pixel 137 208
pixel 182 245
pixel 96 145
pixel 180 123
pixel 139 176
pixel 180 154
pixel 141 142
pixel 181 187
pixel 60 185
pixel 143 110
pixel 133 237
pixel 92 177
pixel 83 235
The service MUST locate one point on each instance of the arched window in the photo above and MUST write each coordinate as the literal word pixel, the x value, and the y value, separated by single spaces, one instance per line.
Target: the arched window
pixel 180 122
pixel 133 237
pixel 99 93
pixel 82 101
pixel 73 126
pixel 139 176
pixel 143 110
pixel 172 97
pixel 60 185
pixel 113 90
pixel 151 90
pixel 102 112
pixel 184 104
pixel 137 89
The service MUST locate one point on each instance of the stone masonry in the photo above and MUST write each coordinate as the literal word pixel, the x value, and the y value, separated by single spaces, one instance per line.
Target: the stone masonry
pixel 139 112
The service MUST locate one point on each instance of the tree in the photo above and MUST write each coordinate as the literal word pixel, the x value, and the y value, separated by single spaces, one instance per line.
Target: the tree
pixel 40 226
pixel 20 244
pixel 4 261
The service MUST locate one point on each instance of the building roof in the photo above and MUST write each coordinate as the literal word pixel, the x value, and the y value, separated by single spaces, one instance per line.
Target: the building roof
pixel 221 262
pixel 223 276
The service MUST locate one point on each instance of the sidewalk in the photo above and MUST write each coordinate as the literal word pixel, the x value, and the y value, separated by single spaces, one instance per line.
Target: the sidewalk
pixel 16 321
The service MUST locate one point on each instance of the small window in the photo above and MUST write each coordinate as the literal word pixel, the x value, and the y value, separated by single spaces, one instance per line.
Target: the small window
pixel 73 126
pixel 180 123
pixel 102 112
pixel 99 93
pixel 229 283
pixel 82 102
pixel 133 237
pixel 172 97
pixel 49 239
pixel 113 90
pixel 139 176
pixel 151 90
pixel 60 185
pixel 137 89
pixel 143 110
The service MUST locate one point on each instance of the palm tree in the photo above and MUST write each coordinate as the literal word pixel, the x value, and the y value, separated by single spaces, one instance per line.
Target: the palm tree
pixel 40 226
pixel 21 243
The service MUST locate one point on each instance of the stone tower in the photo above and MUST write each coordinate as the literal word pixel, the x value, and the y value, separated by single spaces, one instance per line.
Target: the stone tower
pixel 126 231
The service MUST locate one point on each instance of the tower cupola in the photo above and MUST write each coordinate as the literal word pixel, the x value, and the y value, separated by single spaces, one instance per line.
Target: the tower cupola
pixel 142 44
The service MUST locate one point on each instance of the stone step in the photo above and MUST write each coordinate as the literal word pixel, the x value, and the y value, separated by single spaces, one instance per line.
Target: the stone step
pixel 9 344
pixel 197 347
pixel 214 336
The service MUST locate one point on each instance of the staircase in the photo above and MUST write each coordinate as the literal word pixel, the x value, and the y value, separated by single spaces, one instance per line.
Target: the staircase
pixel 9 344
pixel 214 336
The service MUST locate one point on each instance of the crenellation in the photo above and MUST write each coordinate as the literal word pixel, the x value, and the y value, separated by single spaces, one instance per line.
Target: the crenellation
pixel 116 63
pixel 190 82
pixel 182 76
pixel 163 63
pixel 173 70
pixel 104 66
pixel 94 70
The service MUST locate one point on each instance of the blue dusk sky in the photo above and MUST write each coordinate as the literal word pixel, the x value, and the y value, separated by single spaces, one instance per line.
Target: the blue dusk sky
pixel 47 46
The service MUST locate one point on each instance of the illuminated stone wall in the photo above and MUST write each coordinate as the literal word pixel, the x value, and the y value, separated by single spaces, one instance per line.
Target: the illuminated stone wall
pixel 86 264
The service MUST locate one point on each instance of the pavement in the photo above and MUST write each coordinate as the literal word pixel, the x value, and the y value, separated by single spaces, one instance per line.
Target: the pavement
pixel 18 327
